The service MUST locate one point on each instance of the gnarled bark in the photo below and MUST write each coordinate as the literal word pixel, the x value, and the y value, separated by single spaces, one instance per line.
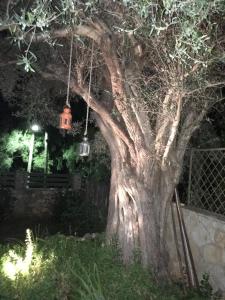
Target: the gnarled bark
pixel 137 207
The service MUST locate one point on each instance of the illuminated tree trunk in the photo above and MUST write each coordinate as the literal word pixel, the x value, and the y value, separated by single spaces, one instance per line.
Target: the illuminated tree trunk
pixel 137 218
pixel 138 205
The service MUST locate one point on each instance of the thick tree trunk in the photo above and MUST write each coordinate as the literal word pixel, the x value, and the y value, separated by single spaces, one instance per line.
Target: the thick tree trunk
pixel 137 212
pixel 138 203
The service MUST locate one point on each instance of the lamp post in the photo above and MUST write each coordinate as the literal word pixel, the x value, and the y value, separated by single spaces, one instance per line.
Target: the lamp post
pixel 46 152
pixel 34 128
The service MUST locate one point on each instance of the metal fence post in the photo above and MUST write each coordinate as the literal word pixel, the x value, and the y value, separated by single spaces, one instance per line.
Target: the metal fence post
pixel 189 177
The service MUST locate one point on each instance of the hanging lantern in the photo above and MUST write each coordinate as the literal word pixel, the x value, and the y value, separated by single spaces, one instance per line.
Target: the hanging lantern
pixel 84 147
pixel 66 118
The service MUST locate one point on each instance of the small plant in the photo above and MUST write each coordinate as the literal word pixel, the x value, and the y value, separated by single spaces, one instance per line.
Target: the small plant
pixel 91 287
pixel 206 289
pixel 15 264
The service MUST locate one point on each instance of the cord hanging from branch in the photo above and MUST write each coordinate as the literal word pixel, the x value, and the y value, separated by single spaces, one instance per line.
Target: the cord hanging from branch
pixel 89 91
pixel 84 145
pixel 69 73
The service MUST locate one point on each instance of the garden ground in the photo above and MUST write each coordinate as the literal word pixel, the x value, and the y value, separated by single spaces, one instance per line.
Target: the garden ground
pixel 66 267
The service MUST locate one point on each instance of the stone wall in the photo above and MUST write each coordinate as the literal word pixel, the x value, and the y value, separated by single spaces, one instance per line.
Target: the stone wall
pixel 34 203
pixel 206 234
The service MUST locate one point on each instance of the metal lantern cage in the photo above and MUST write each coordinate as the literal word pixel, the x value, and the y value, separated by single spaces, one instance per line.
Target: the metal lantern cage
pixel 84 149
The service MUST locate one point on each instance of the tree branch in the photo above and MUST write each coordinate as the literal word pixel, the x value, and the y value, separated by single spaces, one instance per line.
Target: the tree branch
pixel 173 131
pixel 141 116
pixel 12 62
pixel 207 86
pixel 191 123
pixel 105 115
pixel 118 86
pixel 161 126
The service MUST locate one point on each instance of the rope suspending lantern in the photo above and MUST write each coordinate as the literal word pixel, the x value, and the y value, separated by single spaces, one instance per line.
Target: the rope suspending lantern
pixel 84 148
pixel 66 116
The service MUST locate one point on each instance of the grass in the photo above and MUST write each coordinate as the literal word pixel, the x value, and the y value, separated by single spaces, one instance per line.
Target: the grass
pixel 66 268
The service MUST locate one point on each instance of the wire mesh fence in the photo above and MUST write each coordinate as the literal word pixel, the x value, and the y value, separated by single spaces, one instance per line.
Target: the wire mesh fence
pixel 206 188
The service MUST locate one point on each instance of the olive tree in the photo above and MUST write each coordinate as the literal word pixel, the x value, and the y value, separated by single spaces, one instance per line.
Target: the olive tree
pixel 156 71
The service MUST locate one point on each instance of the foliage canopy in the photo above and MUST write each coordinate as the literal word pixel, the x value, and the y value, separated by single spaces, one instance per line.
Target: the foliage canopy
pixel 190 27
pixel 15 145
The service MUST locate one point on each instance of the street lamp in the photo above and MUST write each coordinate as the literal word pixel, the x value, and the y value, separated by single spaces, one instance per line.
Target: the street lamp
pixel 34 128
pixel 46 152
pixel 37 128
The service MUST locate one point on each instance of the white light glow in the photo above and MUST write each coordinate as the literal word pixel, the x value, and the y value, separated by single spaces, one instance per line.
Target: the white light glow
pixel 35 127
pixel 15 264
